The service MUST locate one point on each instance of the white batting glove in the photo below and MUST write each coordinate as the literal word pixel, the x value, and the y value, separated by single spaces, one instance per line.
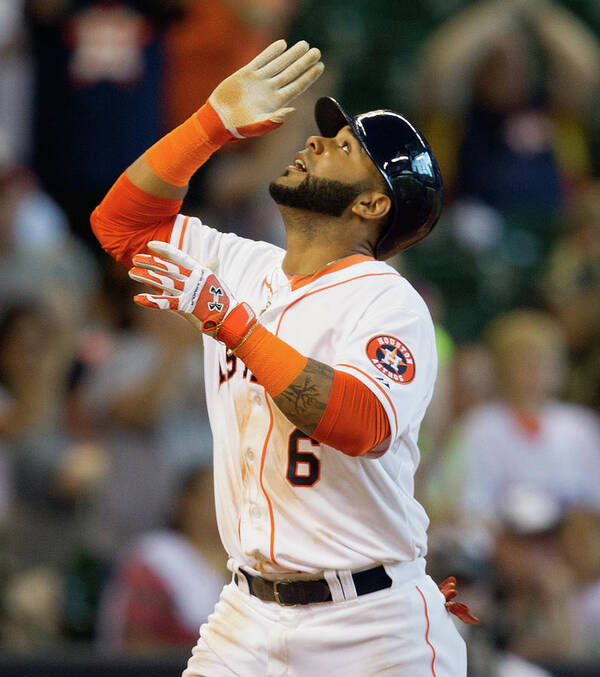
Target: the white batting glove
pixel 193 291
pixel 255 98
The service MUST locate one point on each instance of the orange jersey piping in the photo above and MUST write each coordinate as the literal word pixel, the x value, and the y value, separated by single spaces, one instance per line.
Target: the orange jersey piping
pixel 315 291
pixel 427 631
pixel 262 486
pixel 298 281
pixel 183 229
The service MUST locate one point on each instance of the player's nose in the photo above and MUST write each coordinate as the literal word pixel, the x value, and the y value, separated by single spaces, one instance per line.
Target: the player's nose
pixel 316 144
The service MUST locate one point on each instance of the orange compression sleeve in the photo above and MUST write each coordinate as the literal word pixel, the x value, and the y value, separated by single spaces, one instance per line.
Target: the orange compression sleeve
pixel 128 218
pixel 181 152
pixel 273 361
pixel 354 420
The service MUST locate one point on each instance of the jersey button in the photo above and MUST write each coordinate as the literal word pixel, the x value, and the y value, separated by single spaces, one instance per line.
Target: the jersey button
pixel 249 455
pixel 257 399
pixel 255 512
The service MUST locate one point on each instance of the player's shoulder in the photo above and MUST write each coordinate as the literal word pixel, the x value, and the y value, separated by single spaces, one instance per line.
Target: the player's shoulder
pixel 389 289
pixel 379 277
pixel 191 234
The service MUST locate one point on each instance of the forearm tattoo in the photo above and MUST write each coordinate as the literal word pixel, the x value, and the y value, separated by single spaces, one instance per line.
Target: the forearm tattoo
pixel 304 400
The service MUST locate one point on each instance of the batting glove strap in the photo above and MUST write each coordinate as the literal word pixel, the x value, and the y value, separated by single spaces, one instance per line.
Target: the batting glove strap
pixel 237 326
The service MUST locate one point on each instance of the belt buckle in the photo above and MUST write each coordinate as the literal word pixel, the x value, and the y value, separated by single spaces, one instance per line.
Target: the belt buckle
pixel 276 592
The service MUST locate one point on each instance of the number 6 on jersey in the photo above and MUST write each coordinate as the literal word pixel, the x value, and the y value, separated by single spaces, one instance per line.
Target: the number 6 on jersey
pixel 304 468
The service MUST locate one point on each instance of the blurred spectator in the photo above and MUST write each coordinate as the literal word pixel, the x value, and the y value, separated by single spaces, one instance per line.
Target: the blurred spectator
pixel 47 280
pixel 141 396
pixel 528 440
pixel 572 292
pixel 474 380
pixel 507 92
pixel 580 543
pixel 93 56
pixel 534 613
pixel 15 82
pixel 167 582
pixel 471 383
pixel 31 610
pixel 37 349
pixel 524 131
pixel 211 40
pixel 39 258
pixel 32 364
pixel 36 354
pixel 48 471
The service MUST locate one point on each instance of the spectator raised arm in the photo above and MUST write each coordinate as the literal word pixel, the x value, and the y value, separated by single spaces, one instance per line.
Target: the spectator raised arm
pixel 454 52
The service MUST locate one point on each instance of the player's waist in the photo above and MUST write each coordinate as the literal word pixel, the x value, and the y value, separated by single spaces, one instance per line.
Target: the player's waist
pixel 332 586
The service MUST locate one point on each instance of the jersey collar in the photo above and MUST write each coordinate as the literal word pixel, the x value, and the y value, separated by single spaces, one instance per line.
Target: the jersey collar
pixel 298 281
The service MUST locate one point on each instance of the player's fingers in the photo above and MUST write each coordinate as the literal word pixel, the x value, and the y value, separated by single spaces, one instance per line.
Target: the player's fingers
pixel 297 68
pixel 294 89
pixel 281 115
pixel 171 253
pixel 161 265
pixel 286 59
pixel 160 302
pixel 268 54
pixel 156 280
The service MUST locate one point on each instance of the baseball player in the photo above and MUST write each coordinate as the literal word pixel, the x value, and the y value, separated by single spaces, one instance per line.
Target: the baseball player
pixel 320 361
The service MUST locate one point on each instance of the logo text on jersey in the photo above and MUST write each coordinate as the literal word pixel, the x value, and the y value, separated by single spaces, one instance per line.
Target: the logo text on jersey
pixel 214 304
pixel 392 358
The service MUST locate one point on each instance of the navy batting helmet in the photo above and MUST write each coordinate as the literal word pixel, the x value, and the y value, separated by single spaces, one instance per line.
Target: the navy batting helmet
pixel 406 162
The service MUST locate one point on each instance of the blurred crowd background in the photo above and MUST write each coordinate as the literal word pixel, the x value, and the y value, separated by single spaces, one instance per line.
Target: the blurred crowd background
pixel 108 541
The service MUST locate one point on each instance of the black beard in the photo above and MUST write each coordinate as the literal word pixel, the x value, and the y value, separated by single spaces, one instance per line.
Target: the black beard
pixel 315 194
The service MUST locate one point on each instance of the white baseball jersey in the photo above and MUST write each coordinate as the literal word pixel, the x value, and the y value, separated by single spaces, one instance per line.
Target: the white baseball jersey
pixel 561 460
pixel 285 502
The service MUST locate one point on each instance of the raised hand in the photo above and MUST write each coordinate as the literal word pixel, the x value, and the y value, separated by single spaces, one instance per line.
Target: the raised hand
pixel 255 98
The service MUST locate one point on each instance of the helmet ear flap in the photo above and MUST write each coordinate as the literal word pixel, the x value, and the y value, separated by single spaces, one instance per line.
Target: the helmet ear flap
pixel 405 161
pixel 417 211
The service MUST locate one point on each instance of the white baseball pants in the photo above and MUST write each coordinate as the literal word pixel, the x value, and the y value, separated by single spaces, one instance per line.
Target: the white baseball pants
pixel 403 631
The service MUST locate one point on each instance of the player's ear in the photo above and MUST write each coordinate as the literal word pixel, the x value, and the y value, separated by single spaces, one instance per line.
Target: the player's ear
pixel 372 204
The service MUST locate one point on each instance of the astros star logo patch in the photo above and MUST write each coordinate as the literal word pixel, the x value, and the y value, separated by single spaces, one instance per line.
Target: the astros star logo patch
pixel 392 358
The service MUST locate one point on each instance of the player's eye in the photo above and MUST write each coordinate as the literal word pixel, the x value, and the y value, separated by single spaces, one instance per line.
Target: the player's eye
pixel 345 147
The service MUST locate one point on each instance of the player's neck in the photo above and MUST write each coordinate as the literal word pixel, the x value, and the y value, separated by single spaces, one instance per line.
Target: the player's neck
pixel 308 259
pixel 311 249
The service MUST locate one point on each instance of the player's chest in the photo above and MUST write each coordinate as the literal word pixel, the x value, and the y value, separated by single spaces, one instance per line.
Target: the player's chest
pixel 315 323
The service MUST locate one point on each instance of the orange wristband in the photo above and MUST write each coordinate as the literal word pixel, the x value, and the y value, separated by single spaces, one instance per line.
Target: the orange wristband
pixel 236 327
pixel 177 156
pixel 274 363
